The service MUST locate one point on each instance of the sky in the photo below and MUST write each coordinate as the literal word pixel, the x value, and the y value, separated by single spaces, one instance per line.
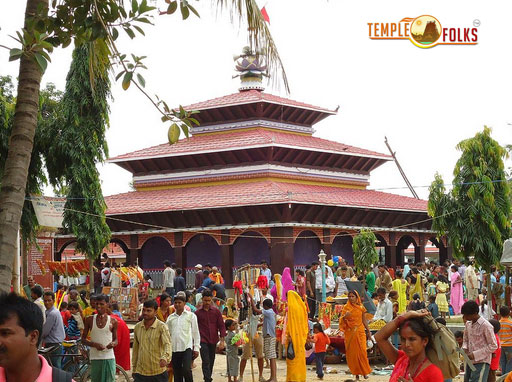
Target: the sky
pixel 424 101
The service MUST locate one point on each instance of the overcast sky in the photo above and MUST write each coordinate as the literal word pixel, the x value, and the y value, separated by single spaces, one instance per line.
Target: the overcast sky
pixel 424 100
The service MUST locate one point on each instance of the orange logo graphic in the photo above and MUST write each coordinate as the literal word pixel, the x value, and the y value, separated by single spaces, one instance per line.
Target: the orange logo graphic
pixel 424 31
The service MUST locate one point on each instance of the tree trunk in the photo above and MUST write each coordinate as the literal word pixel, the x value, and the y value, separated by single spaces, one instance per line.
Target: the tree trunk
pixel 21 142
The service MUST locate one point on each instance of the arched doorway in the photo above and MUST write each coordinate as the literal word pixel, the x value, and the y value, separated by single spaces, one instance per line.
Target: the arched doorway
pixel 342 247
pixel 306 248
pixel 154 252
pixel 250 247
pixel 405 250
pixel 202 249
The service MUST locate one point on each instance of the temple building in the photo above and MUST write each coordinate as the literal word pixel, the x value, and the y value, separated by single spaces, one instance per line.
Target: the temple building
pixel 253 183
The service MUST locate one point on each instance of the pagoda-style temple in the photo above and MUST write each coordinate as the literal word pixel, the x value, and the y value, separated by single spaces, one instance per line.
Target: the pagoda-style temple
pixel 252 183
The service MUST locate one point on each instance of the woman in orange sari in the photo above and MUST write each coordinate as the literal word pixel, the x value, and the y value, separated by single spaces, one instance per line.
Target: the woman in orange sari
pixel 354 324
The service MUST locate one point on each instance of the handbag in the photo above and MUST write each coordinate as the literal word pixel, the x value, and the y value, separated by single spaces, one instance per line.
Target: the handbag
pixel 290 352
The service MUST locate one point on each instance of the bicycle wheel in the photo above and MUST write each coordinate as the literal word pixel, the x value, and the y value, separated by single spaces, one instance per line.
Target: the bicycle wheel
pixel 121 375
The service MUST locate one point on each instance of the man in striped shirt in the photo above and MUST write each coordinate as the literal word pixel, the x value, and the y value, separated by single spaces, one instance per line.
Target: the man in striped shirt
pixel 505 335
pixel 151 347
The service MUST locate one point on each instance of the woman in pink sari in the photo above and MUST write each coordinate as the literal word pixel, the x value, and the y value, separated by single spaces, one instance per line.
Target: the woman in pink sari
pixel 456 293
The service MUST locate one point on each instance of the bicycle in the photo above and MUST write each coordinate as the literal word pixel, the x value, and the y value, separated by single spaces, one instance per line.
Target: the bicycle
pixel 79 364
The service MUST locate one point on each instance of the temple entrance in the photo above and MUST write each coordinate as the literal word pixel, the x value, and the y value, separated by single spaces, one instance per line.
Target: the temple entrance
pixel 342 247
pixel 250 248
pixel 154 252
pixel 202 249
pixel 306 248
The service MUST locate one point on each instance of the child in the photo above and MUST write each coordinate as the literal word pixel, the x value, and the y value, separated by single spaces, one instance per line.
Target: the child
pixel 115 310
pixel 479 342
pixel 75 325
pixel 495 360
pixel 486 311
pixel 416 303
pixel 432 307
pixel 393 297
pixel 431 287
pixel 321 340
pixel 459 337
pixel 269 335
pixel 505 339
pixel 64 312
pixel 231 351
pixel 441 301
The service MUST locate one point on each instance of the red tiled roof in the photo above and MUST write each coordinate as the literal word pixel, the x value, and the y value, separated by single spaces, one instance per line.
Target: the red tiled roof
pixel 252 96
pixel 243 138
pixel 256 193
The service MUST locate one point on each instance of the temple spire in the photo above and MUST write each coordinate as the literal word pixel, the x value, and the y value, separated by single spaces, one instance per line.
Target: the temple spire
pixel 251 69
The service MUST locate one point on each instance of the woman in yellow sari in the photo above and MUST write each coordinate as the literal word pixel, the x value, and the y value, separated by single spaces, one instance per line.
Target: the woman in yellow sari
pixel 400 285
pixel 165 309
pixel 354 324
pixel 415 284
pixel 297 333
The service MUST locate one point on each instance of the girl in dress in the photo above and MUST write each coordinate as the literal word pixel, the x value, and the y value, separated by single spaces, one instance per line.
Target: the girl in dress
pixel 232 357
pixel 441 301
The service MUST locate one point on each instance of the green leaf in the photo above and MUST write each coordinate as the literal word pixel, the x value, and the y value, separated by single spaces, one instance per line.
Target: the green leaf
pixel 119 75
pixel 172 7
pixel 135 6
pixel 129 32
pixel 193 120
pixel 127 80
pixel 15 54
pixel 139 29
pixel 115 34
pixel 184 12
pixel 185 129
pixel 144 20
pixel 173 134
pixel 41 61
pixel 165 118
pixel 193 10
pixel 141 80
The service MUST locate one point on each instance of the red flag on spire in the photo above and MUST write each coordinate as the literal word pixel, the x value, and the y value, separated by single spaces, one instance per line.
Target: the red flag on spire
pixel 265 15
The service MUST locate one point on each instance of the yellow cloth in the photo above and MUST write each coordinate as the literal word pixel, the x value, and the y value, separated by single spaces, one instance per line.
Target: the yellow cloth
pixel 355 337
pixel 231 311
pixel 88 311
pixel 149 347
pixel 417 288
pixel 296 330
pixel 400 286
pixel 162 316
pixel 441 301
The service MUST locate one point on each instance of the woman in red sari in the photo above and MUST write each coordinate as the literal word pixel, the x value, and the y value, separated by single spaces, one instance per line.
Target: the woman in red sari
pixel 122 350
pixel 411 362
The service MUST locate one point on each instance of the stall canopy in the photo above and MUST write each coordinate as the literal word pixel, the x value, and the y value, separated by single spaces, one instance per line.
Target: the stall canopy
pixel 506 257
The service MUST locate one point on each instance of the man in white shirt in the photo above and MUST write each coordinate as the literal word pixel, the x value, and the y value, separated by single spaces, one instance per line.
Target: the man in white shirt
pixel 169 276
pixel 185 340
pixel 37 296
pixel 384 308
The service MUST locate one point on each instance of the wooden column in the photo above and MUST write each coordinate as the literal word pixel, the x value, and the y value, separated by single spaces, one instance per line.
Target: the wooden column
pixel 391 256
pixel 179 253
pixel 419 254
pixel 133 250
pixel 281 249
pixel 227 256
pixel 326 242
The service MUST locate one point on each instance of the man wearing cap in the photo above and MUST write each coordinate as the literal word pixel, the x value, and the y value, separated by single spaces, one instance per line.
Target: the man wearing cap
pixel 199 276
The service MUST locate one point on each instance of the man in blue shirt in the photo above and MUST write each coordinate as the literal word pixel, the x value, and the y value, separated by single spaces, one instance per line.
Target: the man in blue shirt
pixel 53 329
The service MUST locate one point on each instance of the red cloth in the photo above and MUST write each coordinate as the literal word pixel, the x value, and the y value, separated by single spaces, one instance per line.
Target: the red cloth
pixel 237 285
pixel 65 316
pixel 430 374
pixel 495 360
pixel 262 282
pixel 122 350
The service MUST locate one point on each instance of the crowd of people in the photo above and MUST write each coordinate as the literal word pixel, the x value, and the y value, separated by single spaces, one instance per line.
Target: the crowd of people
pixel 180 325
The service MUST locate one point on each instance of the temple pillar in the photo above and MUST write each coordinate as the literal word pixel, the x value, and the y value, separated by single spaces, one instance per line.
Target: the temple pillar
pixel 281 249
pixel 227 256
pixel 419 254
pixel 179 251
pixel 391 256
pixel 133 250
pixel 326 242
